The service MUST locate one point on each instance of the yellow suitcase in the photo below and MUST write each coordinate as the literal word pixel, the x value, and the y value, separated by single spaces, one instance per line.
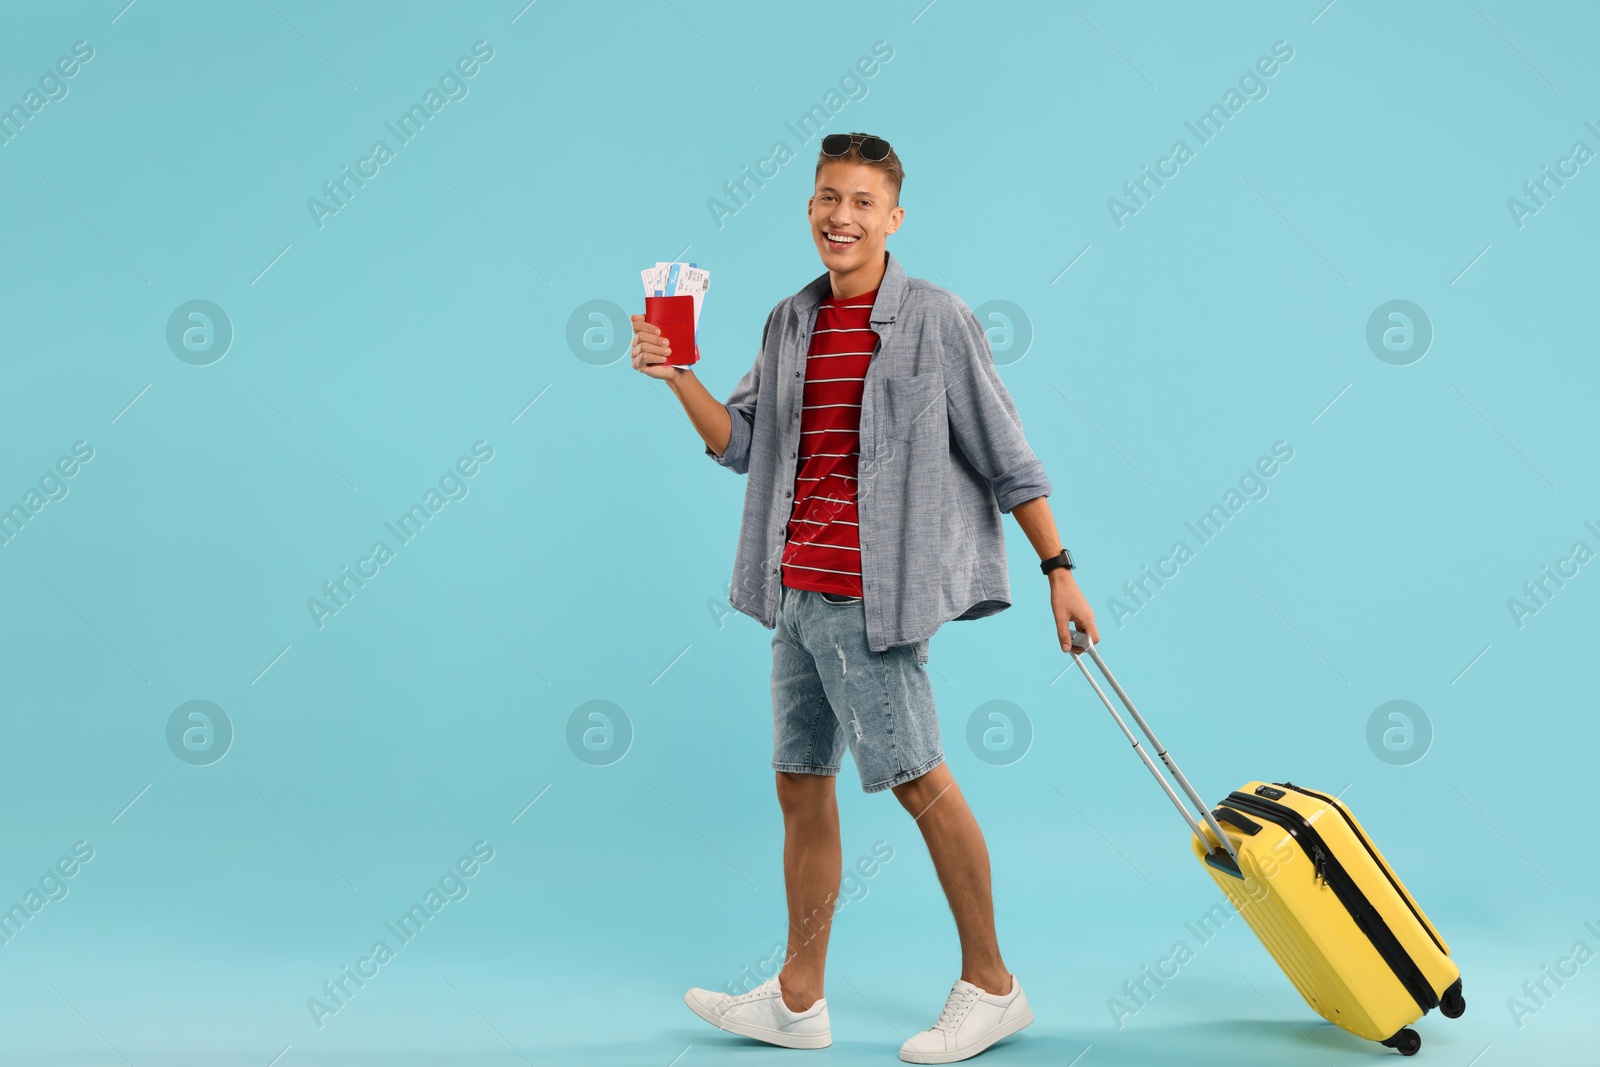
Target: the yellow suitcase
pixel 1317 892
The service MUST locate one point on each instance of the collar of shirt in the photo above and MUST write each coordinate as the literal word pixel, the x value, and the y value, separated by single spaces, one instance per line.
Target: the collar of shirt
pixel 891 290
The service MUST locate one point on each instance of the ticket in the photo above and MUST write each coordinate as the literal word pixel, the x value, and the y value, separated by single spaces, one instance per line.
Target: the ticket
pixel 678 279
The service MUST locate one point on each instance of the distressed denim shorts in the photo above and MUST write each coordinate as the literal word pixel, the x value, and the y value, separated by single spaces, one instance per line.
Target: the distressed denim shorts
pixel 830 691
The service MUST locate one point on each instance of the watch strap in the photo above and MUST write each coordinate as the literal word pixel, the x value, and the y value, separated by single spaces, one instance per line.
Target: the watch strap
pixel 1062 560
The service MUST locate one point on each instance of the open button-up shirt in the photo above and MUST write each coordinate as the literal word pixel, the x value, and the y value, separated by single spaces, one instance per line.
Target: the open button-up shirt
pixel 942 456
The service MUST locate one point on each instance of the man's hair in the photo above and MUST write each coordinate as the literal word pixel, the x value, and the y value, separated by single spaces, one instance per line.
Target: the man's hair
pixel 894 174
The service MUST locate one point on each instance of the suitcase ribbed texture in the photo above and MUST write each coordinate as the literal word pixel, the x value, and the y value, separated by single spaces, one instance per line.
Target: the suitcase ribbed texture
pixel 1307 969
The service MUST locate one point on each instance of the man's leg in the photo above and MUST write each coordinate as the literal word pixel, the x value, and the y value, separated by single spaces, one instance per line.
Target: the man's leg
pixel 962 860
pixel 812 866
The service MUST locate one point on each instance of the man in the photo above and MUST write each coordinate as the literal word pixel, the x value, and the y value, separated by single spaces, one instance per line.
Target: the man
pixel 881 449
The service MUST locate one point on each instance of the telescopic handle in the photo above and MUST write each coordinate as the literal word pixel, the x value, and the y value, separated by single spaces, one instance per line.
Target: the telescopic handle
pixel 1081 641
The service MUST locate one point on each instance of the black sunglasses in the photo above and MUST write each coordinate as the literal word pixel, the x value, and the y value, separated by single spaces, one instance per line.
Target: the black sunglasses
pixel 873 148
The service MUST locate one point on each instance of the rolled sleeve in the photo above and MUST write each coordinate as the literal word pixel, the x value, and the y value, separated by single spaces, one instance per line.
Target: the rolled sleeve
pixel 984 422
pixel 741 407
pixel 741 425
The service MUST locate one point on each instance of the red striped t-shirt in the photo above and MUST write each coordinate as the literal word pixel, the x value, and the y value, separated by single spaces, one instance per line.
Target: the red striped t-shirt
pixel 823 552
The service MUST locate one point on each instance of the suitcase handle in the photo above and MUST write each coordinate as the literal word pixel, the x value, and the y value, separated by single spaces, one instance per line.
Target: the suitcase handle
pixel 1227 855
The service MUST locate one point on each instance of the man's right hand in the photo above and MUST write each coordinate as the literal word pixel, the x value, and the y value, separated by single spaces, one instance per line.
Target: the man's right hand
pixel 650 351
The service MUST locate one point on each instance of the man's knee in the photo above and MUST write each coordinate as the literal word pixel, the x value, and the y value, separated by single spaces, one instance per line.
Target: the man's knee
pixel 802 794
pixel 919 793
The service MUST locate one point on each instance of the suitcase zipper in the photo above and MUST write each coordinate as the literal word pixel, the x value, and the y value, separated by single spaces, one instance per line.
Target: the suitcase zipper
pixel 1382 866
pixel 1332 874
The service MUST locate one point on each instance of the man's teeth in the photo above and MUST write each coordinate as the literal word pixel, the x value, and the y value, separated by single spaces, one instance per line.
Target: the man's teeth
pixel 840 239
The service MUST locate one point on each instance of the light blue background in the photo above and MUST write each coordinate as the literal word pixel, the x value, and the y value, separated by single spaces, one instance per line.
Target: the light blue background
pixel 589 560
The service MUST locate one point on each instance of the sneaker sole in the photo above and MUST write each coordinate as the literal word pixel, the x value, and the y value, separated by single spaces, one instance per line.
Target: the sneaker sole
pixel 1001 1031
pixel 762 1033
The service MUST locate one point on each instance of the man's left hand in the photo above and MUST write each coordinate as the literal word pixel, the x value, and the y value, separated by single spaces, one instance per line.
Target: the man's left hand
pixel 1070 608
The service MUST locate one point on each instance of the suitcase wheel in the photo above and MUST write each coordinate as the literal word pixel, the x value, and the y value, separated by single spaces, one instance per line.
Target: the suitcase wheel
pixel 1452 1003
pixel 1407 1042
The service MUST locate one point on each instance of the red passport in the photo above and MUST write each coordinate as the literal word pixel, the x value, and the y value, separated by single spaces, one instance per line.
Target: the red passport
pixel 674 317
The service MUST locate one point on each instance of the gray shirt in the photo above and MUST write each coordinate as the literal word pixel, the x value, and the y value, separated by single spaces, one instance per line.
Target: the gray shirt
pixel 942 456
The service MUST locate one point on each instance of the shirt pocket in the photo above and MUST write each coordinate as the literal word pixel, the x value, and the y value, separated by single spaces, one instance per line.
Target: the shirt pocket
pixel 912 406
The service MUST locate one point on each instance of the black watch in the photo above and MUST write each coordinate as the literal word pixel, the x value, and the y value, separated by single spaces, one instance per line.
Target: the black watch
pixel 1063 560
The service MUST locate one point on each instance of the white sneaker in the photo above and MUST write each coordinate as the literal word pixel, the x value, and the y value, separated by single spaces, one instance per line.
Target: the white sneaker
pixel 971 1021
pixel 762 1014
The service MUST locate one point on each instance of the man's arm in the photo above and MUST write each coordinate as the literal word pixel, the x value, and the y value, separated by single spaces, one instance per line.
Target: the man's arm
pixel 710 418
pixel 725 428
pixel 987 429
pixel 983 419
pixel 1067 601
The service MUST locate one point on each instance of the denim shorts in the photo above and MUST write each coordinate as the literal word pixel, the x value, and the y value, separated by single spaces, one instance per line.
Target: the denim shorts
pixel 830 691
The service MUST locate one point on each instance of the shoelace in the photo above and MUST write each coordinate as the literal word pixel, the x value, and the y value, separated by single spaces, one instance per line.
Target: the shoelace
pixel 956 1007
pixel 761 991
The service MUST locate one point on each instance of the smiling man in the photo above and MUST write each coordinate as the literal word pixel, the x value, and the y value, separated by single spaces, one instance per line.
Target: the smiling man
pixel 881 450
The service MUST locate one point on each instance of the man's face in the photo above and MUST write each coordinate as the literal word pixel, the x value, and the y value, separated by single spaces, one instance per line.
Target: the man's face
pixel 852 213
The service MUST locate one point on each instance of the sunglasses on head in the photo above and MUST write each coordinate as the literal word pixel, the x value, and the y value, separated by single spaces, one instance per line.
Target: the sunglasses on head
pixel 872 148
